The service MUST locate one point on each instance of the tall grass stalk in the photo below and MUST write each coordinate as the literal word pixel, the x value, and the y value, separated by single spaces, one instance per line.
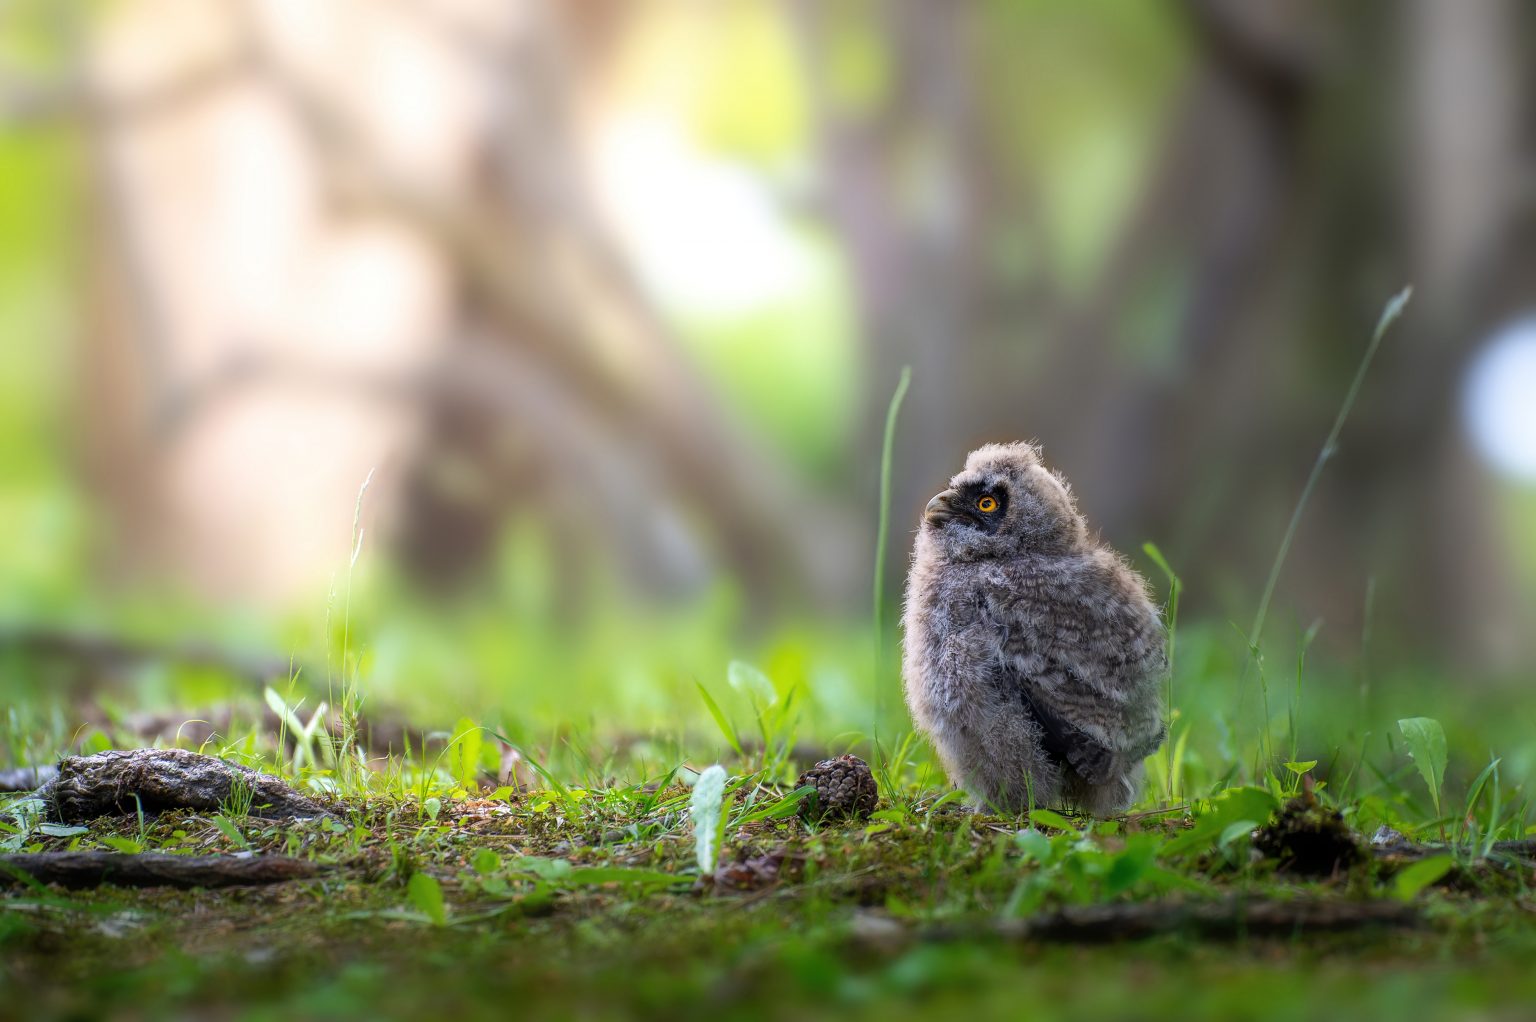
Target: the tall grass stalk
pixel 349 692
pixel 1307 638
pixel 1365 645
pixel 1389 314
pixel 1171 620
pixel 882 537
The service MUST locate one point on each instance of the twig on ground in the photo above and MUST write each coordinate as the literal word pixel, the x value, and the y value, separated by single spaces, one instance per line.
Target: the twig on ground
pixel 154 869
pixel 1211 920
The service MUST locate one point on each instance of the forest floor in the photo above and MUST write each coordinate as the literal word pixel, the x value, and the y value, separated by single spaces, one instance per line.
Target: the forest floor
pixel 592 903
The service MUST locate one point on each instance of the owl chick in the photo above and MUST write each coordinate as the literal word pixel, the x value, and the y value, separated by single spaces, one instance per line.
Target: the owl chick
pixel 1033 653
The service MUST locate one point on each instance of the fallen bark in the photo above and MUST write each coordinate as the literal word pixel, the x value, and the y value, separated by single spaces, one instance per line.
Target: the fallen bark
pixel 1208 920
pixel 154 869
pixel 26 778
pixel 157 780
pixel 1396 848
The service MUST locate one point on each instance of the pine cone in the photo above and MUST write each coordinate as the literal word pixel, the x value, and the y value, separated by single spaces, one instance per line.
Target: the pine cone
pixel 844 787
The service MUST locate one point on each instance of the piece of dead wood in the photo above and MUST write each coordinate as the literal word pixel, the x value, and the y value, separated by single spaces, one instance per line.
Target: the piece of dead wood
pixel 1389 846
pixel 1209 920
pixel 157 780
pixel 26 778
pixel 154 869
pixel 1523 849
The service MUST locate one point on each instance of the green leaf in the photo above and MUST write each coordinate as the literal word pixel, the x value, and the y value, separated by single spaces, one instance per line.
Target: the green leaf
pixel 228 829
pixel 279 706
pixel 1475 792
pixel 1426 744
pixel 720 719
pixel 62 830
pixel 1155 553
pixel 1034 845
pixel 544 869
pixel 1054 820
pixel 786 806
pixel 126 845
pixel 751 681
pixel 1300 768
pixel 427 895
pixel 1130 865
pixel 1420 875
pixel 485 861
pixel 1233 831
pixel 1250 806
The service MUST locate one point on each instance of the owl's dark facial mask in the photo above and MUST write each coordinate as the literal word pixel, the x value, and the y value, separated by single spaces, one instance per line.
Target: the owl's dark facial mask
pixel 980 505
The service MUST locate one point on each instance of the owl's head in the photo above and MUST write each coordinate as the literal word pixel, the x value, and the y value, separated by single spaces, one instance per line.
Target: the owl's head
pixel 1005 503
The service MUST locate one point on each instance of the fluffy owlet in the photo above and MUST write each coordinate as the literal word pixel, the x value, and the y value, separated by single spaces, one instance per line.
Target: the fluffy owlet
pixel 1033 654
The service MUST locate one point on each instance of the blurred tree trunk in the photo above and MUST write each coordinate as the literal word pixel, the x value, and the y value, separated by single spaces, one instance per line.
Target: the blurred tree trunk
pixel 516 368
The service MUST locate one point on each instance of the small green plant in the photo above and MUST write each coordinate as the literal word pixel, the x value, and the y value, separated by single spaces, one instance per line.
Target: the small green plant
pixel 28 814
pixel 464 754
pixel 1480 836
pixel 1221 820
pixel 777 719
pixel 1426 744
pixel 237 804
pixel 310 742
pixel 704 809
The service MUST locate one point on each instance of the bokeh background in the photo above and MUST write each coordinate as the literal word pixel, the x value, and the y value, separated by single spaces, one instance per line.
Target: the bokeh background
pixel 606 301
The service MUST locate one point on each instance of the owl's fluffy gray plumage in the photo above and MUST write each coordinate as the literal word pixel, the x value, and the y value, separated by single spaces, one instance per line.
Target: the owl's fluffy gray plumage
pixel 1032 653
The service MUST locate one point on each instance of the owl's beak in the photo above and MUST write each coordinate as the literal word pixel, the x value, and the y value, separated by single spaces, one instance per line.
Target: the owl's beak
pixel 941 508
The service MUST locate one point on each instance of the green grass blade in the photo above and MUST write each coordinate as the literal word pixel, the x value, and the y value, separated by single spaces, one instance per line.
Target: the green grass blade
pixel 721 721
pixel 1389 315
pixel 1420 875
pixel 882 535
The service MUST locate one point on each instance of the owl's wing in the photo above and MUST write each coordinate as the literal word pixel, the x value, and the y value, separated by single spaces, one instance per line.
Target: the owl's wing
pixel 1081 672
pixel 1089 758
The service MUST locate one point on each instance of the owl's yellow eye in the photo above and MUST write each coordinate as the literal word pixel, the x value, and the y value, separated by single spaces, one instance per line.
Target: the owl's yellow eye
pixel 986 505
